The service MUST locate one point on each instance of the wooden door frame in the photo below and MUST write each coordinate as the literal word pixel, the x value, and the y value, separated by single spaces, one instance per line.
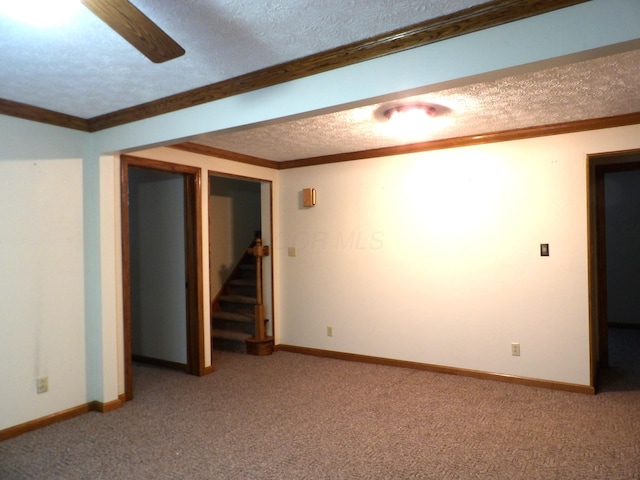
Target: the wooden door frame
pixel 193 263
pixel 598 165
pixel 269 241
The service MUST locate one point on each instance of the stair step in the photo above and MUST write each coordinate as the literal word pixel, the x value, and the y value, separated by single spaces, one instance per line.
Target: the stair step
pixel 238 299
pixel 227 335
pixel 247 270
pixel 231 317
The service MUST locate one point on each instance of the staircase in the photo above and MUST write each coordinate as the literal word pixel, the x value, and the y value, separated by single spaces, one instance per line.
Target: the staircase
pixel 233 311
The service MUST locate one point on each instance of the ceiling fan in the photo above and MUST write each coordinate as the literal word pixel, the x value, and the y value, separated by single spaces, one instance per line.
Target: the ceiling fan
pixel 136 28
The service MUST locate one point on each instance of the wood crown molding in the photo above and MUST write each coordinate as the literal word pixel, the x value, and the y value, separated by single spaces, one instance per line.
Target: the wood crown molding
pixel 479 17
pixel 225 154
pixel 42 115
pixel 352 357
pixel 481 139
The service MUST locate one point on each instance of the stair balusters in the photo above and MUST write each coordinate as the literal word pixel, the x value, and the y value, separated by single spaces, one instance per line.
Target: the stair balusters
pixel 261 344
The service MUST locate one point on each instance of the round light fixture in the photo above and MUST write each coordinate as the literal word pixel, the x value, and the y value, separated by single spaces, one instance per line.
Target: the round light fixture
pixel 410 120
pixel 410 112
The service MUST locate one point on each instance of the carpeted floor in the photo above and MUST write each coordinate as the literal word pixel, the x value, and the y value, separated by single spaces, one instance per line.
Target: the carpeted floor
pixel 290 416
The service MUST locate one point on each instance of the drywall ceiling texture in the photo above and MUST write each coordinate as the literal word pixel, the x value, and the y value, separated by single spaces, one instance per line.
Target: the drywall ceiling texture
pixel 591 89
pixel 84 59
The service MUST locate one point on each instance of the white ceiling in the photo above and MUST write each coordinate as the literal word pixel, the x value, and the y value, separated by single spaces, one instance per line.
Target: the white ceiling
pixel 85 69
pixel 82 68
pixel 597 88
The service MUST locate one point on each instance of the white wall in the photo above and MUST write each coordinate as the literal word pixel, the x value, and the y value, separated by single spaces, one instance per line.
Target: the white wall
pixel 42 264
pixel 622 204
pixel 544 40
pixel 434 257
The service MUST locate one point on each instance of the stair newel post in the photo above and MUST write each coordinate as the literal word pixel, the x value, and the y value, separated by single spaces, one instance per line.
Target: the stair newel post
pixel 260 344
pixel 259 252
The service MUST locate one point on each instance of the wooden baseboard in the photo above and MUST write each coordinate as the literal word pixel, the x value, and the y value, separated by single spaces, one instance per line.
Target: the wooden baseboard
pixel 96 406
pixel 160 363
pixel 38 423
pixel 352 357
pixel 43 422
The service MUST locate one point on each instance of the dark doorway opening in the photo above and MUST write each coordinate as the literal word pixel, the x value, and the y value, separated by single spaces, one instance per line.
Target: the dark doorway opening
pixel 162 273
pixel 240 210
pixel 614 214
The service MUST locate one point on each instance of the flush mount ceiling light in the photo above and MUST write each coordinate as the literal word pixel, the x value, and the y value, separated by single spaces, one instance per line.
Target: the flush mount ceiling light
pixel 410 120
pixel 409 112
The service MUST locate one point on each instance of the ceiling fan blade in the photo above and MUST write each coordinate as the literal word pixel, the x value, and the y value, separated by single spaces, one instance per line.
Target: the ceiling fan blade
pixel 136 28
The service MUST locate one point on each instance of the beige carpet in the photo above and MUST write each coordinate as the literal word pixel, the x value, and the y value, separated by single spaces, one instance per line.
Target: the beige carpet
pixel 289 416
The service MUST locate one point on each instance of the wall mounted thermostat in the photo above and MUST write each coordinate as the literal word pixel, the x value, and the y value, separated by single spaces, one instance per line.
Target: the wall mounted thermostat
pixel 544 249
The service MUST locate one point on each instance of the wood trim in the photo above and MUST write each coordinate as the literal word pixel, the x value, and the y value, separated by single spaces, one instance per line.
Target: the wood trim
pixel 274 254
pixel 203 369
pixel 42 115
pixel 491 14
pixel 592 273
pixel 225 154
pixel 352 357
pixel 193 240
pixel 96 406
pixel 195 350
pixel 126 278
pixel 43 422
pixel 471 140
pixel 142 162
pixel 160 363
pixel 481 139
pixel 600 238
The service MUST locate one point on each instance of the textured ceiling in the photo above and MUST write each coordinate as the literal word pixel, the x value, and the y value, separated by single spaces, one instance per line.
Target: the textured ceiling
pixel 84 69
pixel 597 88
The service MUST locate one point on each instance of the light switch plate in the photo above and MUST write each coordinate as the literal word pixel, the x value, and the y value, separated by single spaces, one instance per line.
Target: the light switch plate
pixel 544 249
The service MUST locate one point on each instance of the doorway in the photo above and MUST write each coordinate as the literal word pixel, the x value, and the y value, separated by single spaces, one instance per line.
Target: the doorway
pixel 162 273
pixel 614 259
pixel 240 210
